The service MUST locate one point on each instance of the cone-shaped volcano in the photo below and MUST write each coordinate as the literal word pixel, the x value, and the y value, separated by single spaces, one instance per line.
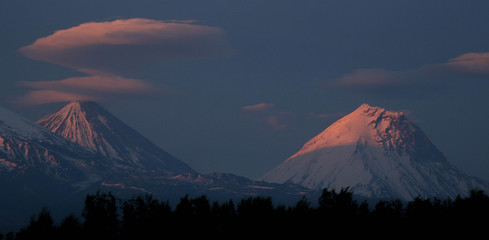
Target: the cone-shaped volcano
pixel 378 153
pixel 91 126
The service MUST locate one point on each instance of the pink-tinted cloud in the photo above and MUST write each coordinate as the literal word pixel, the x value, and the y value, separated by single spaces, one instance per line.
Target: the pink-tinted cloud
pixel 84 88
pixel 420 81
pixel 104 84
pixel 127 44
pixel 477 63
pixel 50 96
pixel 277 121
pixel 368 78
pixel 258 107
pixel 107 50
pixel 468 63
pixel 266 115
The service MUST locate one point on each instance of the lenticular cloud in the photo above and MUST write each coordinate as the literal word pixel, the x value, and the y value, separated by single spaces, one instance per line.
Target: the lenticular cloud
pixel 108 50
pixel 121 44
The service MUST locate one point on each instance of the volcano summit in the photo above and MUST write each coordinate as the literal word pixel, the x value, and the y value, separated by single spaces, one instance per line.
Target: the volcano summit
pixel 378 154
pixel 91 126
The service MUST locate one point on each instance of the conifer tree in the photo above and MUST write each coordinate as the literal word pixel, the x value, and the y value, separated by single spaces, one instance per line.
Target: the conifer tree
pixel 101 218
pixel 40 227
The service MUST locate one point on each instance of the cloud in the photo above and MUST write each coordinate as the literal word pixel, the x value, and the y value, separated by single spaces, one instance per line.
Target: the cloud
pixel 124 44
pixel 368 77
pixel 420 81
pixel 98 83
pixel 93 88
pixel 378 82
pixel 258 107
pixel 264 113
pixel 477 63
pixel 50 96
pixel 277 121
pixel 108 50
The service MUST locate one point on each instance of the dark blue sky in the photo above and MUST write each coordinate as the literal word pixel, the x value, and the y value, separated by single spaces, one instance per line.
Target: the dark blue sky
pixel 298 66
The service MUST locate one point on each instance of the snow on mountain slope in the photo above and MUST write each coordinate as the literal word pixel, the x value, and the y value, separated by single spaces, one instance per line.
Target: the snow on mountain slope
pixel 27 148
pixel 378 153
pixel 91 126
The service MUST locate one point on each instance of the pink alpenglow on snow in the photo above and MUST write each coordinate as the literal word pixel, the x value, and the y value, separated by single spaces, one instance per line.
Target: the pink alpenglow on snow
pixel 377 153
pixel 350 128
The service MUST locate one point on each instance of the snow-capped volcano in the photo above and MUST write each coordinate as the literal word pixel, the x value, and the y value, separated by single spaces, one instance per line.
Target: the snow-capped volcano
pixel 91 126
pixel 28 149
pixel 377 153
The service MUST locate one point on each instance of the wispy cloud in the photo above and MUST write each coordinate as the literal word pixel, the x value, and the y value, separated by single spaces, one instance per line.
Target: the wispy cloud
pixel 99 83
pixel 108 50
pixel 85 88
pixel 37 97
pixel 477 63
pixel 368 77
pixel 266 114
pixel 277 121
pixel 258 107
pixel 399 83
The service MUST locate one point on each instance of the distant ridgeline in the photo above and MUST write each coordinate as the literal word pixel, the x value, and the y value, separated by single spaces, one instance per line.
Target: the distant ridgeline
pixel 143 217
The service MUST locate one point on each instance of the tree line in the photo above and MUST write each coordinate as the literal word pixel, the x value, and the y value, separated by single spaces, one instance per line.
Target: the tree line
pixel 105 216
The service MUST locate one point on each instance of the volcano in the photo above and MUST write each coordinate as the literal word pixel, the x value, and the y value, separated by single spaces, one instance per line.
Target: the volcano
pixel 378 154
pixel 91 126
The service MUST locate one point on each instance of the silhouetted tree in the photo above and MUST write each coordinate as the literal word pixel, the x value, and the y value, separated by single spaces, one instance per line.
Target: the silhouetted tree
pixel 184 208
pixel 418 208
pixel 301 209
pixel 337 206
pixel 101 218
pixel 363 210
pixel 144 217
pixel 40 227
pixel 224 217
pixel 388 210
pixel 10 236
pixel 201 207
pixel 70 228
pixel 472 211
pixel 256 207
pixel 255 215
pixel 225 210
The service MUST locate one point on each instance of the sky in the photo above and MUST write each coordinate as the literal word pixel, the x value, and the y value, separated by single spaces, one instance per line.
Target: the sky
pixel 239 86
